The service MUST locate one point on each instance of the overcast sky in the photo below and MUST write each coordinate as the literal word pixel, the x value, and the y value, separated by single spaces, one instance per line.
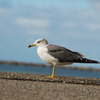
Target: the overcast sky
pixel 74 24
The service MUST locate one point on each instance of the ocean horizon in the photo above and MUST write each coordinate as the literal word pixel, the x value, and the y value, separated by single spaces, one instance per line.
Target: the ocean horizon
pixel 48 70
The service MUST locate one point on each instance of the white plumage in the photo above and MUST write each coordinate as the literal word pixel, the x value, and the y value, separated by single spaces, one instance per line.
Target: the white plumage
pixel 45 56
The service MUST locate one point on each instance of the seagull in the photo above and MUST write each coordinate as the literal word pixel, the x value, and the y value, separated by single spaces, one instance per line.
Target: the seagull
pixel 58 55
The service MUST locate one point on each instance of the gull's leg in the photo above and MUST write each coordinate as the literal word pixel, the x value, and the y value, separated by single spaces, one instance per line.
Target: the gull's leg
pixel 53 72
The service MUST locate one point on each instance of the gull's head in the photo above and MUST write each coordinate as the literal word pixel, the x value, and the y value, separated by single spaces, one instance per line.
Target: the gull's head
pixel 39 42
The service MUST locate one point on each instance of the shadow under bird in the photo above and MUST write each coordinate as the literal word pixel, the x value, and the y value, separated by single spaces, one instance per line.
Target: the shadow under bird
pixel 57 55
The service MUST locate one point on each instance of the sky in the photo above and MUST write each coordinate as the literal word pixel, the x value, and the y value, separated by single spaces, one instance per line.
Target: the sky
pixel 74 24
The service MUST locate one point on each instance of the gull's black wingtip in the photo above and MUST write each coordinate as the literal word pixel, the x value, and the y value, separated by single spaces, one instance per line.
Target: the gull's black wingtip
pixel 85 60
pixel 91 61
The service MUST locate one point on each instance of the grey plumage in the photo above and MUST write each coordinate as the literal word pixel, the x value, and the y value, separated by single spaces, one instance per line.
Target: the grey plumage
pixel 65 55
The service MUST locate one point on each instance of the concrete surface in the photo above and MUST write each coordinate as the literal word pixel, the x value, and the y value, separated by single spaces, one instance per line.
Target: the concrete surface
pixel 18 86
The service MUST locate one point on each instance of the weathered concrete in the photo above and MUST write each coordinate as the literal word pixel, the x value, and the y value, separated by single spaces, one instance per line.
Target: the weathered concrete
pixel 17 86
pixel 43 78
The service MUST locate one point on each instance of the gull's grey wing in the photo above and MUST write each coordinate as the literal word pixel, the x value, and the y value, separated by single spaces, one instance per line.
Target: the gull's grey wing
pixel 65 55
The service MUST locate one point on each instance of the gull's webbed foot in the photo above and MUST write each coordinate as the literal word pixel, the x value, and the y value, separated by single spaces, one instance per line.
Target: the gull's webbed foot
pixel 50 76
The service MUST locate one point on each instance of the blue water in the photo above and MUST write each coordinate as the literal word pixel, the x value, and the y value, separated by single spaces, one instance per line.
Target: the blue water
pixel 47 71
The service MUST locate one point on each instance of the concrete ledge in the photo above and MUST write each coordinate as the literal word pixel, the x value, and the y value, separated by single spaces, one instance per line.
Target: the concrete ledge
pixel 43 78
pixel 18 86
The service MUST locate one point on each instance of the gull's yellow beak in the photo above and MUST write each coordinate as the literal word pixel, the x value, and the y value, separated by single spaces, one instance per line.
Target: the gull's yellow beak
pixel 31 45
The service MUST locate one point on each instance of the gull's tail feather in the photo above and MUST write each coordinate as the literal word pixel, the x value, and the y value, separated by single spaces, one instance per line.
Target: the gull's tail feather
pixel 85 60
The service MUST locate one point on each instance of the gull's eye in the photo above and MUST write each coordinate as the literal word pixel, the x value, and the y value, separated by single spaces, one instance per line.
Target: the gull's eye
pixel 38 41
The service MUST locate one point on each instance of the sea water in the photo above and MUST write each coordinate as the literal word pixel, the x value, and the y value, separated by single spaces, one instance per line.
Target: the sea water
pixel 48 70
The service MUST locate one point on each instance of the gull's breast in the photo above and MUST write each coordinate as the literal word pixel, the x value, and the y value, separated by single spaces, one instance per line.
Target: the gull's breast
pixel 45 56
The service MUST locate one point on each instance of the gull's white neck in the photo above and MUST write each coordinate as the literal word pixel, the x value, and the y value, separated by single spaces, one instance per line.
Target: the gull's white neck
pixel 41 50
